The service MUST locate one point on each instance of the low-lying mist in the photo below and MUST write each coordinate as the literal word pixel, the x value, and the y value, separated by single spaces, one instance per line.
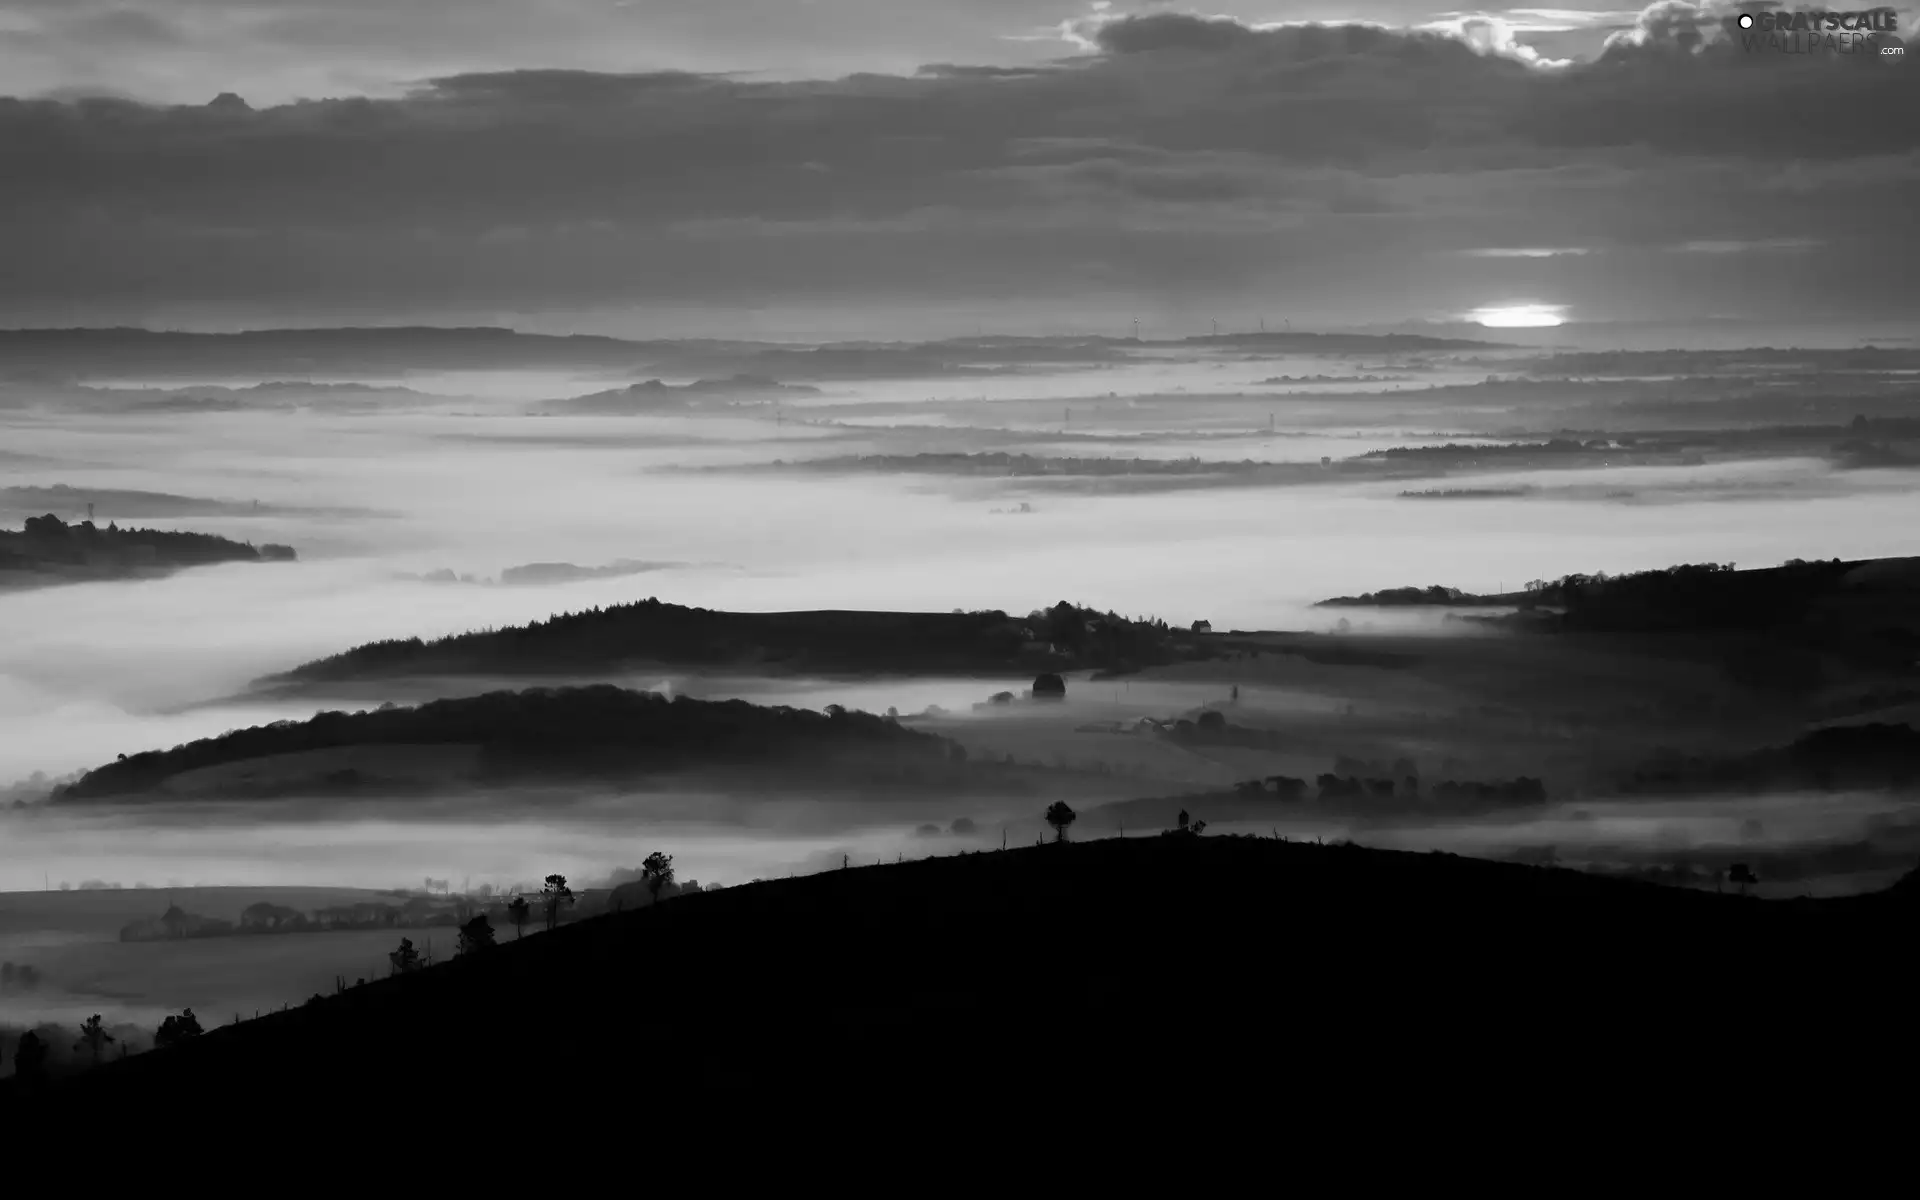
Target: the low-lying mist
pixel 499 838
pixel 95 670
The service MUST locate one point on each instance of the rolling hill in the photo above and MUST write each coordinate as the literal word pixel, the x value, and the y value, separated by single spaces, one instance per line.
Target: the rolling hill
pixel 540 734
pixel 650 633
pixel 1157 975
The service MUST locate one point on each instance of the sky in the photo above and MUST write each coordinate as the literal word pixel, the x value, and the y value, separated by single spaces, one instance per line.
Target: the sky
pixel 904 168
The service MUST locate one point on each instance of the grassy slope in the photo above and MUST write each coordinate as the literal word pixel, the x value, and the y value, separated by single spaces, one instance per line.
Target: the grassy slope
pixel 1113 968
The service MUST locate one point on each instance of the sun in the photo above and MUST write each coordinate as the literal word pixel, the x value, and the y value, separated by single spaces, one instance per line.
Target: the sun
pixel 1519 316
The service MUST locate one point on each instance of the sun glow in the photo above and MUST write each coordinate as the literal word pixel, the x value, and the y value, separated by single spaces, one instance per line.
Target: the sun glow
pixel 1519 316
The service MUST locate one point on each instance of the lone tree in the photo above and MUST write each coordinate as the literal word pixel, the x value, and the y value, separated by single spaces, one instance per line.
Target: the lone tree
pixel 1060 816
pixel 658 872
pixel 177 1029
pixel 30 1059
pixel 406 959
pixel 555 893
pixel 94 1036
pixel 518 912
pixel 1743 875
pixel 476 934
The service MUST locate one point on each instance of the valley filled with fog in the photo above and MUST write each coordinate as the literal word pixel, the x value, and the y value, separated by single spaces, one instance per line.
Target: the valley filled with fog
pixel 437 502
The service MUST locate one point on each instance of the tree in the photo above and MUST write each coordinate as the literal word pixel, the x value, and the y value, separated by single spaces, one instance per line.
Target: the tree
pixel 406 959
pixel 177 1029
pixel 1060 816
pixel 657 870
pixel 94 1036
pixel 476 934
pixel 1049 687
pixel 30 1058
pixel 518 911
pixel 555 894
pixel 1743 875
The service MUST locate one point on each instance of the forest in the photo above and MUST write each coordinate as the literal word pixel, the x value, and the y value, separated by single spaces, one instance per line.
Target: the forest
pixel 48 545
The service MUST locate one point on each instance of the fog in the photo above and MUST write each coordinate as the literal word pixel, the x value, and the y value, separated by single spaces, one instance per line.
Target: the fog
pixel 1800 844
pixel 376 846
pixel 472 484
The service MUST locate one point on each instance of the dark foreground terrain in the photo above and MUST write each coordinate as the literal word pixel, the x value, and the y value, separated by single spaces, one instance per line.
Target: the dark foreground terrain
pixel 1164 975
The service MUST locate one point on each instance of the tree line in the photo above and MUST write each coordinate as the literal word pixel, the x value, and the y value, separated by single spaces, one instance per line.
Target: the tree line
pixel 598 638
pixel 47 539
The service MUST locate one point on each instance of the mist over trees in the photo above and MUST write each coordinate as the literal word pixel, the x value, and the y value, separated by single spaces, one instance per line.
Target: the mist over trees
pixel 48 544
pixel 1841 757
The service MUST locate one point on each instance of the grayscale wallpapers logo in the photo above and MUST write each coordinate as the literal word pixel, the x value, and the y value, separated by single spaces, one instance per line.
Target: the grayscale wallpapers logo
pixel 1867 32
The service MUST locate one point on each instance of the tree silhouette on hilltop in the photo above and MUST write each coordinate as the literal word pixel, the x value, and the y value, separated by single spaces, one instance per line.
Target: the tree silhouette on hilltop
pixel 94 1036
pixel 406 959
pixel 475 935
pixel 657 870
pixel 177 1029
pixel 555 894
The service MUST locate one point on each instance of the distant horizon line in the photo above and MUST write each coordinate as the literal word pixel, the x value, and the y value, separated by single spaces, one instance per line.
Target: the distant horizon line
pixel 1331 328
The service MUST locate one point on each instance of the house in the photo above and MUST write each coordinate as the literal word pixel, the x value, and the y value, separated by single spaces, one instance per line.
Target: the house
pixel 1203 626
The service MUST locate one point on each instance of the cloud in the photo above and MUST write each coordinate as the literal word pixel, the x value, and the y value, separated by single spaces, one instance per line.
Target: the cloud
pixel 1170 31
pixel 1492 35
pixel 1668 27
pixel 1183 158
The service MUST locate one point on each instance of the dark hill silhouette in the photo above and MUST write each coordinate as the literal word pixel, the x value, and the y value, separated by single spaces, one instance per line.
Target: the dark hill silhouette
pixel 48 550
pixel 831 642
pixel 654 395
pixel 1838 757
pixel 1334 343
pixel 1146 971
pixel 1773 625
pixel 291 353
pixel 552 733
pixel 1691 595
